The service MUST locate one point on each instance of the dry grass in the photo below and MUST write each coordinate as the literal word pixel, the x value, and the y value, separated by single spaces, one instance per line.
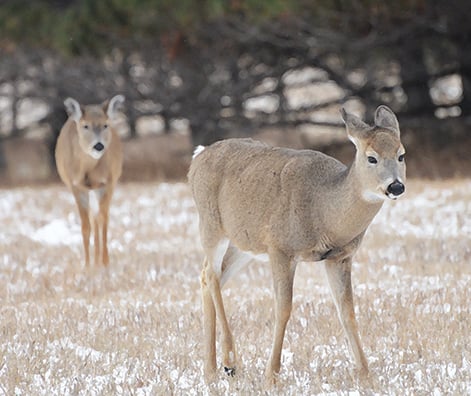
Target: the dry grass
pixel 135 328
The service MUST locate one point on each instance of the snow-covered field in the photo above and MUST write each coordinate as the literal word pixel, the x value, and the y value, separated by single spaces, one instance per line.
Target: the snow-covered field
pixel 135 328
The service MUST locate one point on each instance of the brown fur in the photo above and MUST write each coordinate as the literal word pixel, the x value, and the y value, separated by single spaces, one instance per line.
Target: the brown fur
pixel 82 172
pixel 292 205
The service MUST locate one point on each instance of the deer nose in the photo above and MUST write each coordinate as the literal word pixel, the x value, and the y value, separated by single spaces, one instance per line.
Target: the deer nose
pixel 396 188
pixel 99 146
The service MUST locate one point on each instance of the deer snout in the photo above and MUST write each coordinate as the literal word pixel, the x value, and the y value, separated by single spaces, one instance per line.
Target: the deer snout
pixel 395 189
pixel 99 146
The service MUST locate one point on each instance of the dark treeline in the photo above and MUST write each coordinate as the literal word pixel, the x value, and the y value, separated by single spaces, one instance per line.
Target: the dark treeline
pixel 209 61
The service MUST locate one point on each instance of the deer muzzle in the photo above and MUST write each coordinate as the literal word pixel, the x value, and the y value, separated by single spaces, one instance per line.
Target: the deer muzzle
pixel 395 189
pixel 99 146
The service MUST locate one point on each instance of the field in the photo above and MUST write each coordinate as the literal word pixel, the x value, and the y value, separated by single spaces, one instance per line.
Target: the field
pixel 135 328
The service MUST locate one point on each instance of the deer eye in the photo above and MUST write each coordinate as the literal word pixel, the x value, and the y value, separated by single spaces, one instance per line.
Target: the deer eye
pixel 372 160
pixel 105 126
pixel 85 126
pixel 401 158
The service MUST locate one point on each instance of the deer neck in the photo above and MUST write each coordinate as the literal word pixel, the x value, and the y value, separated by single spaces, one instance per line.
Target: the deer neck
pixel 352 211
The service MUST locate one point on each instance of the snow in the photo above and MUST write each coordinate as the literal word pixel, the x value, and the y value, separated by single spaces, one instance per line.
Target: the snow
pixel 135 328
pixel 58 232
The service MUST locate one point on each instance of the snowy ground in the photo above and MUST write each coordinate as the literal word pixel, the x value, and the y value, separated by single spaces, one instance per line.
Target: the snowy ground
pixel 135 328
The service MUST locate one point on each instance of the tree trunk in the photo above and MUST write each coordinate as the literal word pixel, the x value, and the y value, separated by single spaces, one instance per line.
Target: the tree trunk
pixel 415 79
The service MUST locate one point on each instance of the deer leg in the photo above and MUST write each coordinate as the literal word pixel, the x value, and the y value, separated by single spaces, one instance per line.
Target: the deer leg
pixel 233 259
pixel 81 198
pixel 213 307
pixel 209 326
pixel 96 238
pixel 228 349
pixel 214 277
pixel 95 218
pixel 340 283
pixel 283 271
pixel 104 239
pixel 103 218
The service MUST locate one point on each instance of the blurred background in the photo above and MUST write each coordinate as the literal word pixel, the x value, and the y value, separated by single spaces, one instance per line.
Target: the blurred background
pixel 194 72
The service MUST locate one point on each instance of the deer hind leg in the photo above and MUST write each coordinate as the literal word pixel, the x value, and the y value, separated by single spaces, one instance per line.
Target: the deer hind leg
pixel 340 283
pixel 283 270
pixel 211 283
pixel 81 198
pixel 209 324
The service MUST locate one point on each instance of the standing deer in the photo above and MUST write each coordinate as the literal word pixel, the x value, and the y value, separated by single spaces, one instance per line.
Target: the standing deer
pixel 89 161
pixel 285 206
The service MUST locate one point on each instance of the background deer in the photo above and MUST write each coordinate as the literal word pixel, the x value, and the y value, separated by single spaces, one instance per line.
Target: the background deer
pixel 89 161
pixel 285 206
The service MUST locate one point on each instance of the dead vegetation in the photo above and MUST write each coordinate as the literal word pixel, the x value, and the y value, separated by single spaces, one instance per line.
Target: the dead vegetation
pixel 136 327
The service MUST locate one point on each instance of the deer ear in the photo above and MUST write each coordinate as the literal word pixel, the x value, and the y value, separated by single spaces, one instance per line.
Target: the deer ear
pixel 112 106
pixel 385 118
pixel 355 126
pixel 73 109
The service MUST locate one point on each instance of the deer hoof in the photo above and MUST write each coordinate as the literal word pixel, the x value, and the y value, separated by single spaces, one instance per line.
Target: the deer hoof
pixel 230 371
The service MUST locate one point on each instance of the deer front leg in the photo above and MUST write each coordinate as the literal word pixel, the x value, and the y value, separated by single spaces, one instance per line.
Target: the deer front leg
pixel 81 198
pixel 340 283
pixel 96 239
pixel 104 194
pixel 283 276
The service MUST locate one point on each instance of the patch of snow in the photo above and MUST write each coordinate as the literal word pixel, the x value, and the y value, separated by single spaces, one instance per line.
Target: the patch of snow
pixel 58 232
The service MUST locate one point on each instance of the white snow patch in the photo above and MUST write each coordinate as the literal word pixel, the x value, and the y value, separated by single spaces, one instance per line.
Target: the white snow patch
pixel 57 232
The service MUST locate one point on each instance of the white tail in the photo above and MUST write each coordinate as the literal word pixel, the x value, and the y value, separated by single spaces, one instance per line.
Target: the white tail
pixel 89 161
pixel 290 205
pixel 198 151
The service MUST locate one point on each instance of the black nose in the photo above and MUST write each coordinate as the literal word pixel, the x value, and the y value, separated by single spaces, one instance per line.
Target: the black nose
pixel 396 188
pixel 99 146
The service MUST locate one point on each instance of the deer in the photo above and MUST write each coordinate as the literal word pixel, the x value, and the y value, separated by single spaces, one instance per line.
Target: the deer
pixel 284 206
pixel 89 161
